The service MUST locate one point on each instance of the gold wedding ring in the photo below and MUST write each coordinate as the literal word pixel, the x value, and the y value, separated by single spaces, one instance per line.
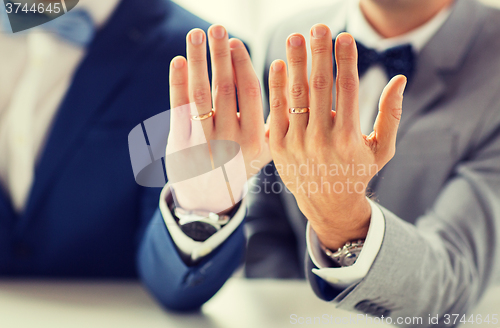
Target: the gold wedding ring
pixel 298 110
pixel 203 116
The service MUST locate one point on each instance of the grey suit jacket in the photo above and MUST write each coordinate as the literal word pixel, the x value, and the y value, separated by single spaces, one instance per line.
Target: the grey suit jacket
pixel 440 194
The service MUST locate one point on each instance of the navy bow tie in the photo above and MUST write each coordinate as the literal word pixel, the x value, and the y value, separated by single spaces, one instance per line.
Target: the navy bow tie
pixel 397 60
pixel 75 27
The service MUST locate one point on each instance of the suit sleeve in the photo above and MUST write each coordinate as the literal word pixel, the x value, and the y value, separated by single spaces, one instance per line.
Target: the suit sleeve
pixel 443 263
pixel 182 274
pixel 174 283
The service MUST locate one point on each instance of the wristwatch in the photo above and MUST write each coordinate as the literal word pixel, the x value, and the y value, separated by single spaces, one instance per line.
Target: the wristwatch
pixel 199 225
pixel 347 255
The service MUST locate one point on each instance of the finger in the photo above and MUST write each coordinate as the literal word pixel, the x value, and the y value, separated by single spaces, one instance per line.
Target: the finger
pixel 321 81
pixel 278 125
pixel 180 119
pixel 347 84
pixel 387 121
pixel 223 89
pixel 199 86
pixel 248 86
pixel 298 87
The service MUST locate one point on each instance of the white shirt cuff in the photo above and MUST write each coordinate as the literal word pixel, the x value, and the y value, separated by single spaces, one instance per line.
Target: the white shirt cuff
pixel 346 276
pixel 188 246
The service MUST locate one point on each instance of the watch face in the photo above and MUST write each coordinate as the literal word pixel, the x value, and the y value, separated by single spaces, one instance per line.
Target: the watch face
pixel 349 259
pixel 198 231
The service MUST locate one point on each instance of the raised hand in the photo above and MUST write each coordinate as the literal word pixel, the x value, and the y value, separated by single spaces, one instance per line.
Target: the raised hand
pixel 200 115
pixel 321 155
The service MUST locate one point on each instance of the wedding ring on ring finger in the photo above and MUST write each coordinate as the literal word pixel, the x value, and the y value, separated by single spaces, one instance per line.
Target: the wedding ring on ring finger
pixel 298 110
pixel 203 116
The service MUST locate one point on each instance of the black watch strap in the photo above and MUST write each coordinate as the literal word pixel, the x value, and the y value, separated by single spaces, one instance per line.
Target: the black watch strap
pixel 198 231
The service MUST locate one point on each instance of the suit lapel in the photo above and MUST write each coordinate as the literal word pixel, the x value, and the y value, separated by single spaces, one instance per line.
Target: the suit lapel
pixel 442 55
pixel 95 81
pixel 427 89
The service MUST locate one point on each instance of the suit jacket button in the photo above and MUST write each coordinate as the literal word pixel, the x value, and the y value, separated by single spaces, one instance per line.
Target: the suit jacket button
pixel 372 309
pixel 363 306
pixel 380 311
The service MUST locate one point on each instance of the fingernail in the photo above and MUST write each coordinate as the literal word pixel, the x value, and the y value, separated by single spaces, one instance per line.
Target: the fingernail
pixel 196 38
pixel 235 43
pixel 319 32
pixel 178 63
pixel 295 41
pixel 345 39
pixel 277 66
pixel 403 87
pixel 218 32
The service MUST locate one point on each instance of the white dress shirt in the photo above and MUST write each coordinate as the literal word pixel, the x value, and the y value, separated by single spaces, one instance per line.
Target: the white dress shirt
pixel 45 96
pixel 371 85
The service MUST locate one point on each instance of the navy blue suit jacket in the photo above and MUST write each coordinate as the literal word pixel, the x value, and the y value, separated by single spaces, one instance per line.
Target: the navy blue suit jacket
pixel 86 216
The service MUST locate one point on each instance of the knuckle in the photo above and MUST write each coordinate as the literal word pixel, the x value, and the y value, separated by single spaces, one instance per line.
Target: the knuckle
pixel 348 83
pixel 252 90
pixel 197 59
pixel 317 135
pixel 225 133
pixel 297 91
pixel 386 153
pixel 254 149
pixel 297 140
pixel 276 84
pixel 321 50
pixel 316 141
pixel 278 146
pixel 201 95
pixel 177 83
pixel 342 144
pixel 348 139
pixel 397 113
pixel 221 53
pixel 240 58
pixel 346 59
pixel 225 89
pixel 276 103
pixel 321 82
pixel 296 61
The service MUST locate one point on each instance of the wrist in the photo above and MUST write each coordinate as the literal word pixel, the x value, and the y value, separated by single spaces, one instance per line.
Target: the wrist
pixel 348 223
pixel 201 205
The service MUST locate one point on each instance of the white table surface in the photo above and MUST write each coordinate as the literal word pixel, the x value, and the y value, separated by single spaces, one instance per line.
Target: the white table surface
pixel 240 303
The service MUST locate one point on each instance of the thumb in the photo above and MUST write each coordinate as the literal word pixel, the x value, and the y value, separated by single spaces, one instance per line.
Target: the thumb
pixel 389 114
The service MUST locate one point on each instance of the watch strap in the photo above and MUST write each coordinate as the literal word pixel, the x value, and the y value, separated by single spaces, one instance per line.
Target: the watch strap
pixel 346 255
pixel 199 225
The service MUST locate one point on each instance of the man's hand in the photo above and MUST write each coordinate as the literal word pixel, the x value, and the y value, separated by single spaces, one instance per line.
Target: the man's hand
pixel 233 78
pixel 322 156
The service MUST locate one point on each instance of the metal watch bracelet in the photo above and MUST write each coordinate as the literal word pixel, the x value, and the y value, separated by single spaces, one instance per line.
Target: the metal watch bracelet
pixel 346 255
